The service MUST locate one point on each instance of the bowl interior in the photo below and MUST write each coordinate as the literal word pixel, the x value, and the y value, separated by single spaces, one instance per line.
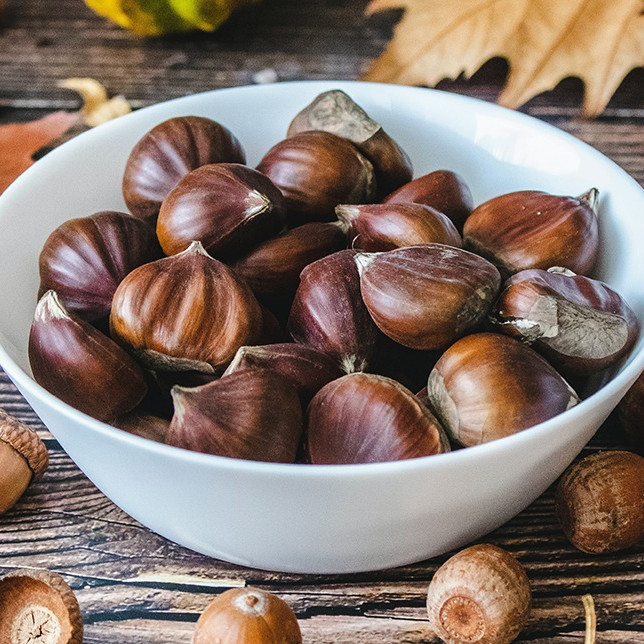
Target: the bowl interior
pixel 494 149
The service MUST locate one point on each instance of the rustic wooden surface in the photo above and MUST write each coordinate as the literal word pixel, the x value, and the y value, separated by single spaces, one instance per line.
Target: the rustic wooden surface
pixel 134 586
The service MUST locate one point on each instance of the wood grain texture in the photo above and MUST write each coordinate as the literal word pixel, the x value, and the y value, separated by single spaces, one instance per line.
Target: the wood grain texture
pixel 136 587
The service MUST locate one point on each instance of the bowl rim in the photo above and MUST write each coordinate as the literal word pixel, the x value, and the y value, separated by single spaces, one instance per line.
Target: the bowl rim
pixel 627 373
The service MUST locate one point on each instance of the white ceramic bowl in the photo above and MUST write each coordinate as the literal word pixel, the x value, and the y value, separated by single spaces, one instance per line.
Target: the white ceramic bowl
pixel 322 519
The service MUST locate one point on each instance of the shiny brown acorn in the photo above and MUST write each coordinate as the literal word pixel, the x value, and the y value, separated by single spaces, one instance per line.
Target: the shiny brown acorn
pixel 81 366
pixel 273 268
pixel 600 502
pixel 532 229
pixel 365 418
pixel 307 368
pixel 382 227
pixel 443 190
pixel 247 616
pixel 579 324
pixel 487 386
pixel 85 259
pixel 316 171
pixel 253 414
pixel 187 312
pixel 426 296
pixel 337 113
pixel 23 459
pixel 167 153
pixel 228 207
pixel 329 314
pixel 481 594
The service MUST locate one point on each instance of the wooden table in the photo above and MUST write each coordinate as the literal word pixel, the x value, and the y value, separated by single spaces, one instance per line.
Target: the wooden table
pixel 134 586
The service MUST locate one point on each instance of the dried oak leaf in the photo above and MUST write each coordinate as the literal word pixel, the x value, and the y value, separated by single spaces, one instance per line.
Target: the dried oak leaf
pixel 544 41
pixel 19 141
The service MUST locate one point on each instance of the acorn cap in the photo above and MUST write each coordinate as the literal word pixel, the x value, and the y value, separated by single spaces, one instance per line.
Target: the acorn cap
pixel 26 442
pixel 38 607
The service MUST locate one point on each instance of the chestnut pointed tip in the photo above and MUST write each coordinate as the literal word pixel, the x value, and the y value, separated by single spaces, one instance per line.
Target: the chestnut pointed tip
pixel 561 270
pixel 363 260
pixel 347 212
pixel 256 203
pixel 49 307
pixel 591 197
pixel 195 248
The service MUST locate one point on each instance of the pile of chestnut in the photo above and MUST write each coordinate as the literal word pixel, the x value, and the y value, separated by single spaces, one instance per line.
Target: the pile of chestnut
pixel 289 312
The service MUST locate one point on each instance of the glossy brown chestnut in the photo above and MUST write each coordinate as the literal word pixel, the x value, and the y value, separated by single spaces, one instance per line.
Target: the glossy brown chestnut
pixel 631 414
pixel 365 418
pixel 442 189
pixel 85 259
pixel 424 297
pixel 316 171
pixel 381 227
pixel 228 207
pixel 166 154
pixel 187 312
pixel 579 324
pixel 253 414
pixel 273 268
pixel 81 366
pixel 329 314
pixel 532 229
pixel 335 112
pixel 487 386
pixel 600 502
pixel 306 368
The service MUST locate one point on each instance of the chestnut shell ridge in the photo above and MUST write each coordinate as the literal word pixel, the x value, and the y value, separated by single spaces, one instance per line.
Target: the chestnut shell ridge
pixel 167 153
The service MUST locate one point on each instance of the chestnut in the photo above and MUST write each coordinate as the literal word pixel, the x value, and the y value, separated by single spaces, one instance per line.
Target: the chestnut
pixel 316 171
pixel 533 229
pixel 382 227
pixel 579 324
pixel 444 190
pixel 336 112
pixel 307 368
pixel 426 296
pixel 187 312
pixel 167 153
pixel 85 259
pixel 81 366
pixel 600 502
pixel 228 207
pixel 365 418
pixel 273 268
pixel 487 386
pixel 329 314
pixel 253 414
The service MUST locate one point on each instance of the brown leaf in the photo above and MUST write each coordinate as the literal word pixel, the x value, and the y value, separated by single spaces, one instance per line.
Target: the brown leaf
pixel 19 141
pixel 544 41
